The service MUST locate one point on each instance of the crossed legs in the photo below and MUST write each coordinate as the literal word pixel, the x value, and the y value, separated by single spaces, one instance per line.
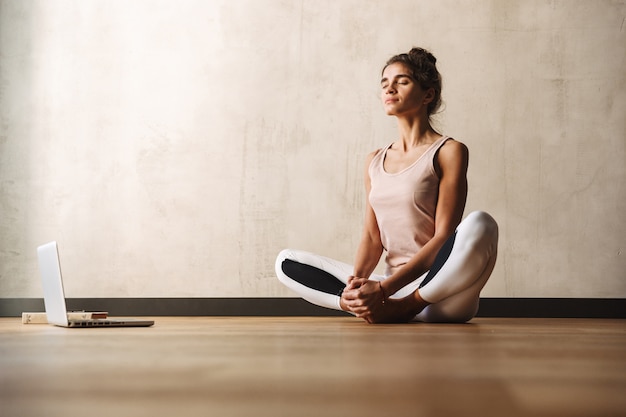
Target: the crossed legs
pixel 452 288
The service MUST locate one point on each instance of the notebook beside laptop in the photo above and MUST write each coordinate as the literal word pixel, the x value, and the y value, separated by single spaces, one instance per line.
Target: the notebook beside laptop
pixel 54 296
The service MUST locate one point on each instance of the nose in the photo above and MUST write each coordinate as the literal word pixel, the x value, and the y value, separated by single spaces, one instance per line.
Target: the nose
pixel 390 89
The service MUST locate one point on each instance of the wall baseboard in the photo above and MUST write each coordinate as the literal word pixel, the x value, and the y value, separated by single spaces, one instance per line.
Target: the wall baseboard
pixel 489 307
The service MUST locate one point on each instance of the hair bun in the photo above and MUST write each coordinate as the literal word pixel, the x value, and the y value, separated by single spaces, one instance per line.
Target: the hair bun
pixel 420 53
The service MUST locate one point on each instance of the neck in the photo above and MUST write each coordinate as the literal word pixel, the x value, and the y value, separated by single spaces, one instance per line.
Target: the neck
pixel 415 131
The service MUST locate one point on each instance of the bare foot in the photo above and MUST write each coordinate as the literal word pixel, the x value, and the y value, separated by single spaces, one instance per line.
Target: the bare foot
pixel 400 310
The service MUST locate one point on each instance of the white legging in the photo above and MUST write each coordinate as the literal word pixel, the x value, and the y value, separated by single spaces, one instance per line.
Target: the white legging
pixel 453 291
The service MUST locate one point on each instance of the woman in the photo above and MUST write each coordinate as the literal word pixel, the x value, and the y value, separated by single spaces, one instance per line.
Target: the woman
pixel 416 187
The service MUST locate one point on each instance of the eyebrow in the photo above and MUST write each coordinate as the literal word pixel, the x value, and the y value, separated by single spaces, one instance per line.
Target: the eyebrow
pixel 396 77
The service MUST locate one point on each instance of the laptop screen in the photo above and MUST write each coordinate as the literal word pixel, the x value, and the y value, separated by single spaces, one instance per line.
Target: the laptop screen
pixel 53 295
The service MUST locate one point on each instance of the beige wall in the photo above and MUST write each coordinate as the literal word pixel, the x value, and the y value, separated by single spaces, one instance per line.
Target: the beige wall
pixel 172 148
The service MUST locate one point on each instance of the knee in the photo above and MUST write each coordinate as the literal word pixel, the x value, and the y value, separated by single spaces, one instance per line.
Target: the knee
pixel 480 230
pixel 283 254
pixel 278 266
pixel 483 224
pixel 288 254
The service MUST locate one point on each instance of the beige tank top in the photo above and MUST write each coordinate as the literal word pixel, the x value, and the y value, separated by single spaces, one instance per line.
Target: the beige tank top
pixel 405 204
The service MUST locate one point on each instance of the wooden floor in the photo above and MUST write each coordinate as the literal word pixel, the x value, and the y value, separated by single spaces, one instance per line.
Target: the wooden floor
pixel 211 366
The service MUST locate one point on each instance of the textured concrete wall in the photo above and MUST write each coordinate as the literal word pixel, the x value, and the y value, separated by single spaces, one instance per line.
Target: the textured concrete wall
pixel 172 148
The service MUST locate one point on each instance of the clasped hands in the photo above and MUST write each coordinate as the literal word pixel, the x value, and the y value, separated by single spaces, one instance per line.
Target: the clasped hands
pixel 365 299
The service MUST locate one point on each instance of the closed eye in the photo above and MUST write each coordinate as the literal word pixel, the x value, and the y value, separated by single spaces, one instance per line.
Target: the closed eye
pixel 402 79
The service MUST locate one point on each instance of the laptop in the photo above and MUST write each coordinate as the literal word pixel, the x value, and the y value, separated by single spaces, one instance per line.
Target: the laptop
pixel 54 296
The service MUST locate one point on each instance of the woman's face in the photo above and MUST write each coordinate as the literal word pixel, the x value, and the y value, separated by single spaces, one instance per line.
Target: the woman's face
pixel 400 94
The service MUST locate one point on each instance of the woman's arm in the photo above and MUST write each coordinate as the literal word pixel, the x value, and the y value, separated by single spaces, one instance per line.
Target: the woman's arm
pixel 370 248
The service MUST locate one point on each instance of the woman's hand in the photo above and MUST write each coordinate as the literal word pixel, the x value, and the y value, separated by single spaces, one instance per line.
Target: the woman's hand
pixel 364 298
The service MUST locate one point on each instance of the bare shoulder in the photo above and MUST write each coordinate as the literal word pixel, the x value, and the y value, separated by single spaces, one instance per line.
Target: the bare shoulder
pixel 453 155
pixel 453 150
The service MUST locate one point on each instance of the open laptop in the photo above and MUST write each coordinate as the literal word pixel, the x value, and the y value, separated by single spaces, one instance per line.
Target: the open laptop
pixel 54 296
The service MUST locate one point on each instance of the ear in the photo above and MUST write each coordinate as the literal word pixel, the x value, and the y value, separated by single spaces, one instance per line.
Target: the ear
pixel 429 96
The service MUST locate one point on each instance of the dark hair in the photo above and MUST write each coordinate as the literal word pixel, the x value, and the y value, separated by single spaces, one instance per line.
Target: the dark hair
pixel 423 70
